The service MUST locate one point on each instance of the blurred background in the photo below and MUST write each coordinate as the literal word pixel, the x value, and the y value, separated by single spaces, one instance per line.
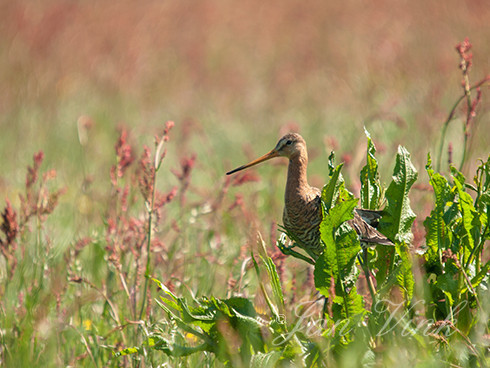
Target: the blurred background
pixel 234 76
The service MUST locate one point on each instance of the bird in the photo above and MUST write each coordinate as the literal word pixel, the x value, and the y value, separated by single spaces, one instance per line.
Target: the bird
pixel 302 212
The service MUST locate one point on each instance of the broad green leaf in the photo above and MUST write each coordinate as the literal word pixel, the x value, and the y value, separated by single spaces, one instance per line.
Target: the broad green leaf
pixel 322 274
pixel 344 331
pixel 221 306
pixel 348 247
pixel 404 277
pixel 313 354
pixel 330 190
pixel 438 234
pixel 170 303
pixel 201 313
pixel 337 261
pixel 388 283
pixel 355 303
pixel 470 220
pixel 173 349
pixel 244 321
pixel 398 218
pixel 370 186
pixel 201 316
pixel 401 275
pixel 250 323
pixel 348 306
pixel 329 261
pixel 326 265
pixel 458 176
pixel 397 222
pixel 448 284
pixel 241 305
pixel 342 212
pixel 384 263
pixel 265 360
pixel 483 206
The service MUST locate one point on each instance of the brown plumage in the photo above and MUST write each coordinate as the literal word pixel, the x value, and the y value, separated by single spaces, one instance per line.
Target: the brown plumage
pixel 302 213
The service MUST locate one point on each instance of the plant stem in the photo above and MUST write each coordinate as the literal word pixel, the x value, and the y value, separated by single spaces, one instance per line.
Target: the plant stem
pixel 450 118
pixel 148 245
pixel 467 93
pixel 365 267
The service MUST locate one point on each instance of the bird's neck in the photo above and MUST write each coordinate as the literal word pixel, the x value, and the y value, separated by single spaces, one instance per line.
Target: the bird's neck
pixel 297 181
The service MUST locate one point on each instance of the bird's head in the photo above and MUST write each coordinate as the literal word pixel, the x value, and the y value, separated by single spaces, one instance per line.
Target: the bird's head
pixel 290 145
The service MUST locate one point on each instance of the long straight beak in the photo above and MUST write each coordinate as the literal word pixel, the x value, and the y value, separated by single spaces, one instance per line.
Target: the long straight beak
pixel 266 157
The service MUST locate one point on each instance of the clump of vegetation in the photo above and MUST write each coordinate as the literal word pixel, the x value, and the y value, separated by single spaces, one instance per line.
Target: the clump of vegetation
pixel 450 317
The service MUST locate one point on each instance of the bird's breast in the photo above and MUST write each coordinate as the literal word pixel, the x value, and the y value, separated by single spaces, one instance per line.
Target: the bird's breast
pixel 302 216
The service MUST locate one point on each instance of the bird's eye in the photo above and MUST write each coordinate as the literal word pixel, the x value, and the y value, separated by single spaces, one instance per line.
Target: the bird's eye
pixel 289 142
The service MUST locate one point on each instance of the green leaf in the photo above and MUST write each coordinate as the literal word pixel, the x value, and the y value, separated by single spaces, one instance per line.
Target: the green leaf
pixel 337 261
pixel 388 283
pixel 275 281
pixel 322 275
pixel 241 305
pixel 342 212
pixel 398 216
pixel 448 284
pixel 458 176
pixel 330 191
pixel 483 205
pixel 354 303
pixel 479 277
pixel 485 167
pixel 370 186
pixel 265 360
pixel 347 247
pixel 396 223
pixel 404 276
pixel 244 321
pixel 331 163
pixel 170 303
pixel 201 313
pixel 174 350
pixel 271 305
pixel 164 288
pixel 438 233
pixel 470 220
